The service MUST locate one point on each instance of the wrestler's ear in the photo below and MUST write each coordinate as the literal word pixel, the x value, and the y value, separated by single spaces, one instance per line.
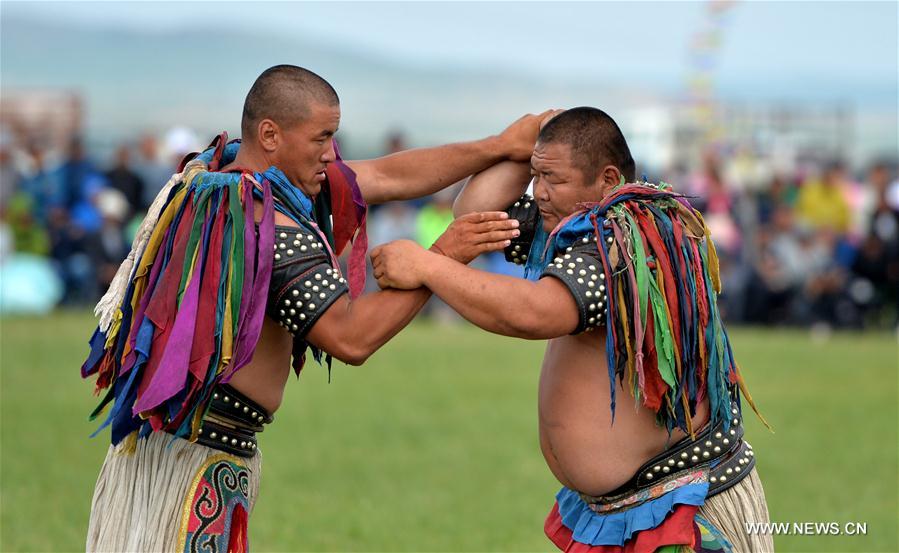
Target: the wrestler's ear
pixel 608 178
pixel 268 135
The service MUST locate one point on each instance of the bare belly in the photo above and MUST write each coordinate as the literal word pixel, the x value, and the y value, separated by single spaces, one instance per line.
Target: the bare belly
pixel 263 379
pixel 583 449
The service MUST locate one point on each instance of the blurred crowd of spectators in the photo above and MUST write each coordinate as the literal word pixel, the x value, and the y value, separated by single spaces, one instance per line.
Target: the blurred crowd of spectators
pixel 816 247
pixel 63 206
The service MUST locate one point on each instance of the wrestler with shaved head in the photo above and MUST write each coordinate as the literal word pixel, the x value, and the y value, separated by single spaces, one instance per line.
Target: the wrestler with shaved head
pixel 232 279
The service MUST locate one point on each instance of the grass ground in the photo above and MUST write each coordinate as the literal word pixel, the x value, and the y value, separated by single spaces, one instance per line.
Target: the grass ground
pixel 432 445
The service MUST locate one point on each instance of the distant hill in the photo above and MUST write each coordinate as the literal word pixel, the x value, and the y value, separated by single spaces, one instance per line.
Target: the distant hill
pixel 133 81
pixel 137 81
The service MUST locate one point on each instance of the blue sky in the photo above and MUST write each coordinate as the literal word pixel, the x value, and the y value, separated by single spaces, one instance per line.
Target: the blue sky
pixel 766 47
pixel 453 70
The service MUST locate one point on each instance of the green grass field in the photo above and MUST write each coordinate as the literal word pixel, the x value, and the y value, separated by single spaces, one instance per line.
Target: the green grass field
pixel 432 445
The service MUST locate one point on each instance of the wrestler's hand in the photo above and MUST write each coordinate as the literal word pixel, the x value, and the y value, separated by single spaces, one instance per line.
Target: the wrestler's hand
pixel 548 115
pixel 398 264
pixel 519 138
pixel 475 233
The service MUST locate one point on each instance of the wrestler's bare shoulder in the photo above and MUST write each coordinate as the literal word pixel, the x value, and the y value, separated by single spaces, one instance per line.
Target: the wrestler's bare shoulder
pixel 581 445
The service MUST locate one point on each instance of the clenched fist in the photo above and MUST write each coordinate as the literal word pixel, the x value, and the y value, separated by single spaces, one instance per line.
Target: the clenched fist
pixel 399 264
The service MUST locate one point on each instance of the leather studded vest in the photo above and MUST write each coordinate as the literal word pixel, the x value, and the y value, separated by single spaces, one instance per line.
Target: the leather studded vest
pixel 304 280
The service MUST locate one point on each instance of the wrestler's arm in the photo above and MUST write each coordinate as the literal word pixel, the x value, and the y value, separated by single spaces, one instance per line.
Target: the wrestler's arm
pixel 497 303
pixel 351 330
pixel 424 171
pixel 498 186
pixel 493 188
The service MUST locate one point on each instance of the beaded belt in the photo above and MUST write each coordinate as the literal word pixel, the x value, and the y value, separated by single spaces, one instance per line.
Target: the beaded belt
pixel 721 458
pixel 231 423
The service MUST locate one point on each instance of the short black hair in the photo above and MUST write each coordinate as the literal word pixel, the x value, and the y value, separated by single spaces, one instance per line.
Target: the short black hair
pixel 595 141
pixel 283 94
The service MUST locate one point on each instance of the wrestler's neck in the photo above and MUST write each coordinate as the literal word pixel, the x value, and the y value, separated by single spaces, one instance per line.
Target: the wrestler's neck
pixel 249 159
pixel 256 160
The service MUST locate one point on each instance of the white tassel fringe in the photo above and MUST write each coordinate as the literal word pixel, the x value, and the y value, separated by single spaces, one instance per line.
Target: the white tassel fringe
pixel 110 301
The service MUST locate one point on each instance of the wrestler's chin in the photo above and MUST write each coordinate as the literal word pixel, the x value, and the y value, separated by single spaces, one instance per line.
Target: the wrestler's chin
pixel 310 189
pixel 549 219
